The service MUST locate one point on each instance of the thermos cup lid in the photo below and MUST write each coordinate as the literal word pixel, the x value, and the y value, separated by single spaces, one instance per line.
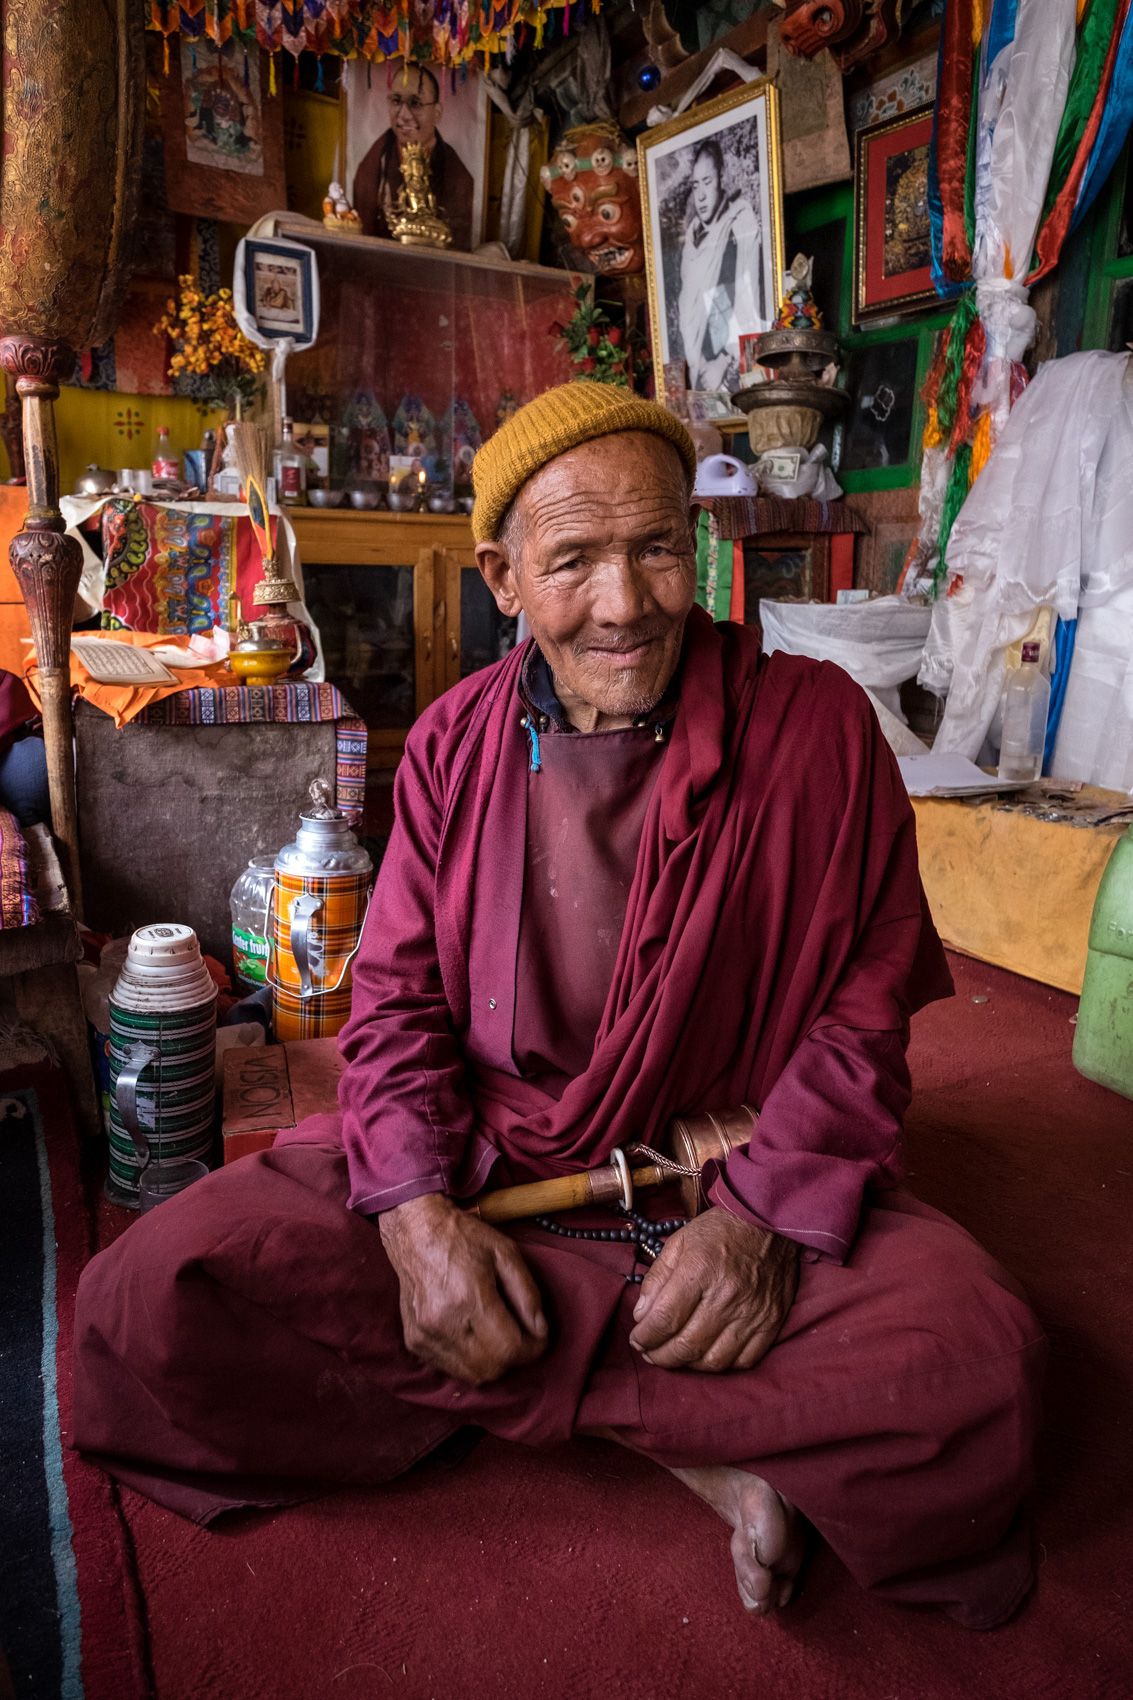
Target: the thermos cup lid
pixel 163 970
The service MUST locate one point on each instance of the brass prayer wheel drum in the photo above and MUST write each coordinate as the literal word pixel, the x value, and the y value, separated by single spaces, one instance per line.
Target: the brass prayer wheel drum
pixel 695 1141
pixel 712 1137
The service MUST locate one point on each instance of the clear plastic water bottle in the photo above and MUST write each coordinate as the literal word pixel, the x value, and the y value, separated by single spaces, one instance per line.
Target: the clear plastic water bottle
pixel 249 903
pixel 1026 704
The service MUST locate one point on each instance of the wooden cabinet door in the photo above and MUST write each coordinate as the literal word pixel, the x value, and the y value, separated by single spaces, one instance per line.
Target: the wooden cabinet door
pixel 471 631
pixel 376 619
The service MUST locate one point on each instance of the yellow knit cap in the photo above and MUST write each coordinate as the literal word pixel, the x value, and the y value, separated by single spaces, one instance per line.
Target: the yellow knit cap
pixel 554 422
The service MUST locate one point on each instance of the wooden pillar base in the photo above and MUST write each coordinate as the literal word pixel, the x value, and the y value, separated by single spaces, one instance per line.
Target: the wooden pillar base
pixel 48 565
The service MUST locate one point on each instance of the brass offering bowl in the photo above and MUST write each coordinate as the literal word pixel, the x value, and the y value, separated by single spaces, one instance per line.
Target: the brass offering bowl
pixel 787 411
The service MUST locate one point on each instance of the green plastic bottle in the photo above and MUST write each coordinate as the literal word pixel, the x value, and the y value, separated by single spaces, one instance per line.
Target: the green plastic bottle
pixel 1103 1039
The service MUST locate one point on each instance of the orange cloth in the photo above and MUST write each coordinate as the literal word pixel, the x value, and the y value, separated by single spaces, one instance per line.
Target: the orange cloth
pixel 14 622
pixel 124 702
pixel 1012 890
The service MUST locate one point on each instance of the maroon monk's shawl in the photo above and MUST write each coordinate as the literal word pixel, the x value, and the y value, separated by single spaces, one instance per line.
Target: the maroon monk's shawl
pixel 776 941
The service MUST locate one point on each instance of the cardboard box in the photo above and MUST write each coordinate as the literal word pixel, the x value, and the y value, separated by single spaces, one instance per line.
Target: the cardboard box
pixel 269 1087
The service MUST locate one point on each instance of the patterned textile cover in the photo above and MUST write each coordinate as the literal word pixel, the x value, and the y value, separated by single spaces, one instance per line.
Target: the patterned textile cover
pixel 18 907
pixel 175 570
pixel 299 702
pixel 748 516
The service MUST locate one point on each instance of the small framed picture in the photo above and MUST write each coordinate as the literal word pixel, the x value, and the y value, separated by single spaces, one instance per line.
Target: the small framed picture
pixel 892 231
pixel 446 113
pixel 882 378
pixel 276 291
pixel 712 209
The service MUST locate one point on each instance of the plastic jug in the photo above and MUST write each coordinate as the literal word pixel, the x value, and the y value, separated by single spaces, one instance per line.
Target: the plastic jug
pixel 1103 1039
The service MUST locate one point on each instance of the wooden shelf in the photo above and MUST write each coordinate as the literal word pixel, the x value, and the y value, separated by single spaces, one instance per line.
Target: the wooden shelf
pixel 395 262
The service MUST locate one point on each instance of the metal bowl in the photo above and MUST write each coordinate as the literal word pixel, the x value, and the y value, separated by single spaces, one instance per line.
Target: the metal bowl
pixel 403 501
pixel 325 498
pixel 440 502
pixel 365 498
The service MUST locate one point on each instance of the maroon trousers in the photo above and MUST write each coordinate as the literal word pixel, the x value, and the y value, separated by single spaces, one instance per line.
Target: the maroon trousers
pixel 242 1346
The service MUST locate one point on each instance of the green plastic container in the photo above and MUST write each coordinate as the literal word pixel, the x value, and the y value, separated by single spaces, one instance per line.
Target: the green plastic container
pixel 1103 1039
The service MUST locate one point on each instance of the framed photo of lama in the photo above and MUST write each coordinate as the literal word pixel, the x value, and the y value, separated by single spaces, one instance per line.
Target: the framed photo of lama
pixel 446 113
pixel 222 135
pixel 712 209
pixel 892 230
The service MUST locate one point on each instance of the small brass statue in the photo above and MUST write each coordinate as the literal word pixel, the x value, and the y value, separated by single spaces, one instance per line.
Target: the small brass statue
pixel 417 222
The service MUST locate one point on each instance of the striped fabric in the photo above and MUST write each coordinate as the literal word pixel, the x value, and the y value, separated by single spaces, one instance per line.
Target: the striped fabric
pixel 18 907
pixel 748 516
pixel 297 702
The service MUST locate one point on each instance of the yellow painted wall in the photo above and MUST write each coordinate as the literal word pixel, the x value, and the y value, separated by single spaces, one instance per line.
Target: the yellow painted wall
pixel 118 430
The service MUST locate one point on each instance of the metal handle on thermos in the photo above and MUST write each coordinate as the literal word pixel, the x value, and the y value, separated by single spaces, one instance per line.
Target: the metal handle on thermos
pixel 138 1059
pixel 304 908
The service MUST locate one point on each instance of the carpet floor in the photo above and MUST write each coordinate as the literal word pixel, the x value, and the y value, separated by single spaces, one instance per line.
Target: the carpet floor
pixel 587 1573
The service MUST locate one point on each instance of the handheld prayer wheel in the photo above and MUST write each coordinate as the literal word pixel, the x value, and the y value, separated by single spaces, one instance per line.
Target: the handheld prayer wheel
pixel 319 902
pixel 74 101
pixel 694 1141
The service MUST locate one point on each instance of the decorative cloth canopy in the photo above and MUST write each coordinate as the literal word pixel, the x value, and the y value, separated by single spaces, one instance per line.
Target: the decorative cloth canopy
pixel 1034 101
pixel 447 32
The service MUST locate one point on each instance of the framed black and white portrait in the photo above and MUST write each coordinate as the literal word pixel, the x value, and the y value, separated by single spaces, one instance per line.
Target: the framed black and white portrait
pixel 713 216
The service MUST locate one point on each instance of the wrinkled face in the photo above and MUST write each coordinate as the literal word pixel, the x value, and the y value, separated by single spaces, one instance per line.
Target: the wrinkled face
pixel 413 107
pixel 601 208
pixel 599 556
pixel 705 187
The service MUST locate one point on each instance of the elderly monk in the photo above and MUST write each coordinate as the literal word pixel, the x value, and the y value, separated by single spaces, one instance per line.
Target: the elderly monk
pixel 637 870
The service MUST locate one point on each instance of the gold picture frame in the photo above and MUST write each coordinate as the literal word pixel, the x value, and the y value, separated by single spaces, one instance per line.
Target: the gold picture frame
pixel 689 250
pixel 892 224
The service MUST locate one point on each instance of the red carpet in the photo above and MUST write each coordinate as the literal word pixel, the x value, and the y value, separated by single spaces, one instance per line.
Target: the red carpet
pixel 70 1619
pixel 585 1573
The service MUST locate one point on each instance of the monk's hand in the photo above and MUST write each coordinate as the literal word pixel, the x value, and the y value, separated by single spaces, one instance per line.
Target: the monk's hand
pixel 717 1296
pixel 469 1305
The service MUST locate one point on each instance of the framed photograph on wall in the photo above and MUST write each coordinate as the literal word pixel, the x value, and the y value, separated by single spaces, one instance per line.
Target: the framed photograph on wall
pixel 892 233
pixel 222 135
pixel 712 208
pixel 446 114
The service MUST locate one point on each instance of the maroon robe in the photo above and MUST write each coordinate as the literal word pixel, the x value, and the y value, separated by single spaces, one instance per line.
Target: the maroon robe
pixel 243 1342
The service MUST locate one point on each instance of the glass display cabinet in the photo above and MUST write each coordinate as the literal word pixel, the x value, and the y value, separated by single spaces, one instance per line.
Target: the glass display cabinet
pixel 421 353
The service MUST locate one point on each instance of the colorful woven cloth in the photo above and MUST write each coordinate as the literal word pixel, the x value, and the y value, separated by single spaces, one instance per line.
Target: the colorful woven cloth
pixel 174 570
pixel 446 31
pixel 18 907
pixel 239 705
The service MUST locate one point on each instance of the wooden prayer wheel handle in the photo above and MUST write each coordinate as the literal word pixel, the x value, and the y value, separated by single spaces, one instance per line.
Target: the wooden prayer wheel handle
pixel 694 1140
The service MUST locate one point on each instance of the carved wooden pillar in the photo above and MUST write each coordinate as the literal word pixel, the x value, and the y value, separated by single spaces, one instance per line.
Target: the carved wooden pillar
pixel 73 76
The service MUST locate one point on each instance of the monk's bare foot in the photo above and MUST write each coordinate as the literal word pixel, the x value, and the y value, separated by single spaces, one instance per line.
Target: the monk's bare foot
pixel 767 1532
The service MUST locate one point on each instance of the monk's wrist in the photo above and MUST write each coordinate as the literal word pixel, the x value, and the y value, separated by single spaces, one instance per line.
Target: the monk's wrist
pixel 416 1215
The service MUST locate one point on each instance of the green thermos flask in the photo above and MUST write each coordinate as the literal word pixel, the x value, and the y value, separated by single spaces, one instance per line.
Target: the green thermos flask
pixel 1103 1039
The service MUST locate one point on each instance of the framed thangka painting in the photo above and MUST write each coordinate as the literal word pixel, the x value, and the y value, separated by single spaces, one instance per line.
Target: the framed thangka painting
pixel 223 135
pixel 446 113
pixel 892 231
pixel 713 215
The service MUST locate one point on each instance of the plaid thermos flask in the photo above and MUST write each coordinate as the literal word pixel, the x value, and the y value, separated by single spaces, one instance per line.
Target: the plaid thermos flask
pixel 321 893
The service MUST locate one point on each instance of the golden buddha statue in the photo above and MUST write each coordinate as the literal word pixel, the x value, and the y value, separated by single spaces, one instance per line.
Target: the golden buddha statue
pixel 417 222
